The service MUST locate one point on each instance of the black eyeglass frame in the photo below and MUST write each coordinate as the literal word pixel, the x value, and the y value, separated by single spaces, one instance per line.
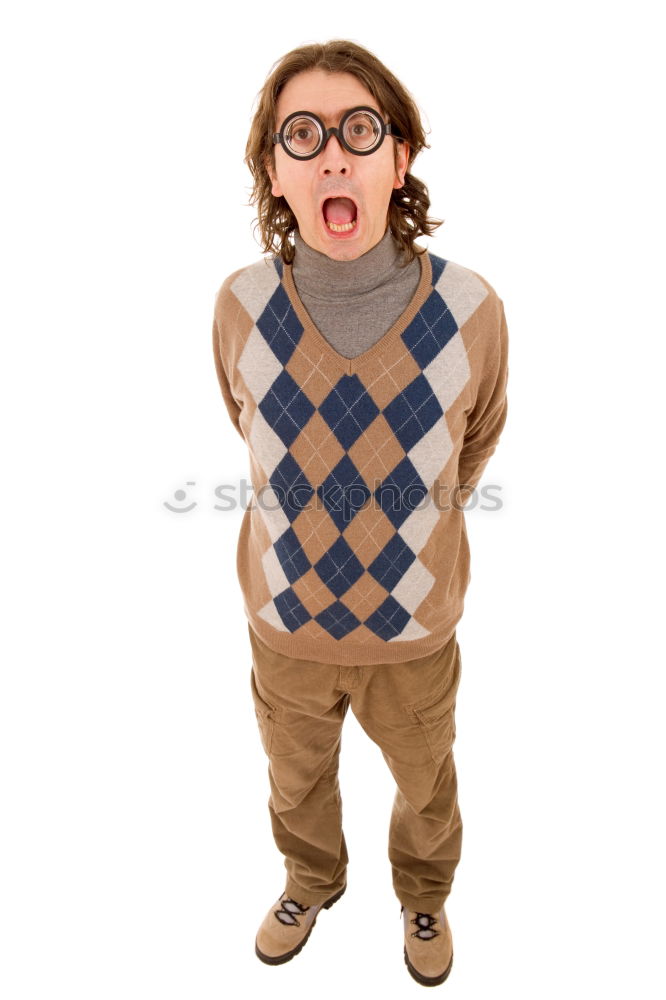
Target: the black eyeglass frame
pixel 326 133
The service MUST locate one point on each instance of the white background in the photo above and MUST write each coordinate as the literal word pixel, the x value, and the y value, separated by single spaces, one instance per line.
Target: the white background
pixel 136 854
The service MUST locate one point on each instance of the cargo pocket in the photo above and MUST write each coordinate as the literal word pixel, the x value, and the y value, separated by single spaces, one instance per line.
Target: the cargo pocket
pixel 265 714
pixel 436 717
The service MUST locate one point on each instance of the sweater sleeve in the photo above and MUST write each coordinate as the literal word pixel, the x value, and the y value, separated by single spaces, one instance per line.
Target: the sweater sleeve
pixel 231 404
pixel 488 416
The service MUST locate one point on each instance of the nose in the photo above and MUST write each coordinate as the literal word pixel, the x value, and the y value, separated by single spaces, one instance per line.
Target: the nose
pixel 334 156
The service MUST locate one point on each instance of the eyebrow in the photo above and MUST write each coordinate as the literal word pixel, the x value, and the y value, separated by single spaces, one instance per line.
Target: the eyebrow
pixel 337 115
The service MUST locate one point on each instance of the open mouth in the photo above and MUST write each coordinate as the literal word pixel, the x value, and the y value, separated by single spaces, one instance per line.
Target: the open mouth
pixel 340 215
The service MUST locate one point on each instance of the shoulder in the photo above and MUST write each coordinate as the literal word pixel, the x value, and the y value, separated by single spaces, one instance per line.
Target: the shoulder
pixel 466 292
pixel 250 286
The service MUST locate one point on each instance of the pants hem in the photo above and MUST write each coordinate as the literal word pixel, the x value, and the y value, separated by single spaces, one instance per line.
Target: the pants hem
pixel 424 904
pixel 295 891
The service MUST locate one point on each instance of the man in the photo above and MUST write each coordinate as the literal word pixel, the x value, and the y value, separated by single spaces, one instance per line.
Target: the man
pixel 368 378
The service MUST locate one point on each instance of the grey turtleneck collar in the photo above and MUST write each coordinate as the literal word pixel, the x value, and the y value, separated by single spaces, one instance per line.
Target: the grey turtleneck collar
pixel 333 280
pixel 375 289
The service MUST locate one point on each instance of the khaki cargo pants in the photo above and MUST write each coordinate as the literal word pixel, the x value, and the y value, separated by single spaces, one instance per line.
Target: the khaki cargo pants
pixel 408 710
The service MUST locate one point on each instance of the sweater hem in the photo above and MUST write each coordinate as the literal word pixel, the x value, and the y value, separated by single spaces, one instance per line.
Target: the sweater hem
pixel 346 654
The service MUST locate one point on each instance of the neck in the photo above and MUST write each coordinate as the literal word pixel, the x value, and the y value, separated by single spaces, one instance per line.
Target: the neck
pixel 332 280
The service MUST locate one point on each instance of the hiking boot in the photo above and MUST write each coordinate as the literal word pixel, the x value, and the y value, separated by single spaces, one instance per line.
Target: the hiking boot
pixel 286 927
pixel 428 946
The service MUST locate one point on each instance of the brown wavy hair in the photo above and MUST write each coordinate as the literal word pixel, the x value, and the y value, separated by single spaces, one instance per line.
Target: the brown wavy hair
pixel 408 207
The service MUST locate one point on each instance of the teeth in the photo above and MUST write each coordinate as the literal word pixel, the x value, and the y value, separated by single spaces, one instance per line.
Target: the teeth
pixel 341 229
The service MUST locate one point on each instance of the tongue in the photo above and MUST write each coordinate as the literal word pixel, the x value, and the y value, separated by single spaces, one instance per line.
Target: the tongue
pixel 339 210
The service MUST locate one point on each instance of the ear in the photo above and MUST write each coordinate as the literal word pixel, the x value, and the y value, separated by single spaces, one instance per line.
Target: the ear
pixel 276 190
pixel 402 162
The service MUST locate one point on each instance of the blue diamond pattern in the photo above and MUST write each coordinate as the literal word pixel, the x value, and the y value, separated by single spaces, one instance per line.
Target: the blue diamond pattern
pixel 413 411
pixel 292 558
pixel 343 492
pixel 438 264
pixel 286 408
pixel 388 620
pixel 392 562
pixel 430 330
pixel 280 326
pixel 291 486
pixel 401 492
pixel 291 609
pixel 339 568
pixel 348 409
pixel 338 620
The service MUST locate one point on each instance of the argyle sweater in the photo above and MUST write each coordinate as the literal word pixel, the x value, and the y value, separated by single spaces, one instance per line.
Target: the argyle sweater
pixel 353 548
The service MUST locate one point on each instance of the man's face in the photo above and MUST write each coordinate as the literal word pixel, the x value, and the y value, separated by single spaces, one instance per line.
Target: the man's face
pixel 367 180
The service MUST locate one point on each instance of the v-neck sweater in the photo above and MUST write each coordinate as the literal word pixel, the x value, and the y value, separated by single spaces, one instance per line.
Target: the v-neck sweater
pixel 353 548
pixel 354 302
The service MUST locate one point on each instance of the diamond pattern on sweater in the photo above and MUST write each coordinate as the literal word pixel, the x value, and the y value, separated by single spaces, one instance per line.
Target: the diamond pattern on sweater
pixel 338 450
pixel 348 409
pixel 343 492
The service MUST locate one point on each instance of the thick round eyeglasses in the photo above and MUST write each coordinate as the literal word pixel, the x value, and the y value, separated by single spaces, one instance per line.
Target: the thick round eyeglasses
pixel 361 131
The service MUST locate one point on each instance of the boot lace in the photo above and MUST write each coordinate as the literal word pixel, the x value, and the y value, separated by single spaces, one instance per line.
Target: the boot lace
pixel 425 926
pixel 288 910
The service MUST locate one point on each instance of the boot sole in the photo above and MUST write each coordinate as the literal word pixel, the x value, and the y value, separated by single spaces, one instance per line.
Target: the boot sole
pixel 426 980
pixel 288 955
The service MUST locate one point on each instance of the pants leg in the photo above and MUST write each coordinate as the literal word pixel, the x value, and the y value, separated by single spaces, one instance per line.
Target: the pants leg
pixel 408 709
pixel 300 714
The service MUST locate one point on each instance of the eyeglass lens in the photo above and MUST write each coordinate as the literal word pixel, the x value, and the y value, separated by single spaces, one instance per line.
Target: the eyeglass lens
pixel 362 131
